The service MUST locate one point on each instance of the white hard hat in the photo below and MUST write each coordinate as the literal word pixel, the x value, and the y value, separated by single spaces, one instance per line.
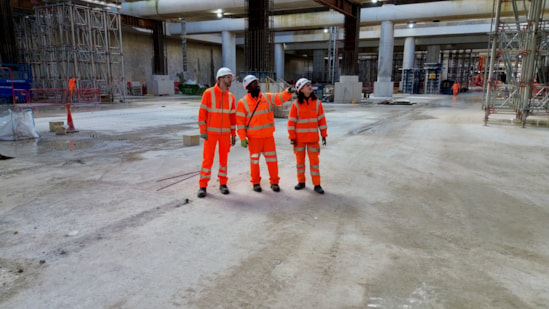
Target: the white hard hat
pixel 223 72
pixel 300 83
pixel 248 80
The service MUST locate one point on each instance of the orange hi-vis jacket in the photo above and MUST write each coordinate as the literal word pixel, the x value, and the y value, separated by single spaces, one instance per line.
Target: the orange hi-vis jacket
pixel 262 121
pixel 72 83
pixel 305 120
pixel 217 114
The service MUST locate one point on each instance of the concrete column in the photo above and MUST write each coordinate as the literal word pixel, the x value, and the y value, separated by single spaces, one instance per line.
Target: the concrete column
pixel 409 53
pixel 409 56
pixel 433 54
pixel 383 87
pixel 318 65
pixel 279 60
pixel 445 64
pixel 228 45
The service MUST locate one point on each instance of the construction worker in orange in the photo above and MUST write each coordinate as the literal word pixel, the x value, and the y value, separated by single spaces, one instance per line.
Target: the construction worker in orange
pixel 217 123
pixel 455 88
pixel 72 87
pixel 305 120
pixel 256 126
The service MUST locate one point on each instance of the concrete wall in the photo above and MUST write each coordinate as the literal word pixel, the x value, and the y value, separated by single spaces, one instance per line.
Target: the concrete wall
pixel 203 60
pixel 296 67
pixel 138 56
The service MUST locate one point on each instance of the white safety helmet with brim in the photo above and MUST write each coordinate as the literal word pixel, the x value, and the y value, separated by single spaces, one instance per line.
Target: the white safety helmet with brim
pixel 224 72
pixel 300 83
pixel 248 80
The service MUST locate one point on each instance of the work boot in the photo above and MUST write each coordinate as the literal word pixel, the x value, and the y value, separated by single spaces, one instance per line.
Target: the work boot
pixel 257 187
pixel 224 189
pixel 318 189
pixel 299 186
pixel 275 187
pixel 201 192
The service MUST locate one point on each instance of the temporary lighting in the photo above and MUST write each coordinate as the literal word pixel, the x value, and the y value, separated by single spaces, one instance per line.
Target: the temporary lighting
pixel 325 30
pixel 219 13
pixel 411 24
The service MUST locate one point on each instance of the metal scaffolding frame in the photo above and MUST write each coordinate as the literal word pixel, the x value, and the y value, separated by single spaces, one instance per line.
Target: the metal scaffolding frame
pixel 520 50
pixel 333 57
pixel 461 65
pixel 433 72
pixel 63 40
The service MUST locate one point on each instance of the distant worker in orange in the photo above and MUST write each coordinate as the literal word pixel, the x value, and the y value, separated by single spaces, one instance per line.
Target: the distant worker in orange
pixel 455 88
pixel 255 126
pixel 217 123
pixel 72 87
pixel 305 120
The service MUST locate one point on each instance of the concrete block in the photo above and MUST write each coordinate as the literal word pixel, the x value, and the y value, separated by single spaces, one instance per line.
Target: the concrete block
pixel 160 85
pixel 60 130
pixel 347 92
pixel 55 124
pixel 191 140
pixel 160 77
pixel 348 78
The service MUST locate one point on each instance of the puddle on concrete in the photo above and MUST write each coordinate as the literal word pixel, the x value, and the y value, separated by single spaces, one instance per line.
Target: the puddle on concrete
pixel 539 122
pixel 95 144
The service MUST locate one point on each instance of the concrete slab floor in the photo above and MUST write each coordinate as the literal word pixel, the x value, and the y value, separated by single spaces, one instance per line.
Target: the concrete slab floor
pixel 425 207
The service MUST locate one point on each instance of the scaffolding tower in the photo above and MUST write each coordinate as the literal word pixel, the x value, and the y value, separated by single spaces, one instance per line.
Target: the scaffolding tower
pixel 518 62
pixel 65 40
pixel 432 77
pixel 461 64
pixel 333 57
pixel 411 80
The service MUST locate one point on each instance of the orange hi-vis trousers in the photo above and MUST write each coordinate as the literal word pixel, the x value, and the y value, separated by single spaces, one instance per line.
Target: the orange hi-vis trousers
pixel 267 147
pixel 208 155
pixel 313 150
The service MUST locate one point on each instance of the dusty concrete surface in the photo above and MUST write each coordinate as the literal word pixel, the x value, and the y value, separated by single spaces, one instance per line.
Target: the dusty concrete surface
pixel 425 207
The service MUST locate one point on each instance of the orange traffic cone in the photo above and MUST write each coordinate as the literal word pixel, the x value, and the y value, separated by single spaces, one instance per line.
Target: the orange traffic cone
pixel 69 119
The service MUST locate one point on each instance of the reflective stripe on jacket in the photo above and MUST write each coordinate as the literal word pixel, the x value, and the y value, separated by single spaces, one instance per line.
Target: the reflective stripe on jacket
pixel 305 120
pixel 217 113
pixel 262 121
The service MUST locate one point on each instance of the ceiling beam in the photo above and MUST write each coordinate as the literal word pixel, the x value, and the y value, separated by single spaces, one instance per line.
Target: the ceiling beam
pixel 344 7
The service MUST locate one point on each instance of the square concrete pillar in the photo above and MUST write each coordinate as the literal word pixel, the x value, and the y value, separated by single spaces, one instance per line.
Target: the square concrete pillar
pixel 348 89
pixel 383 89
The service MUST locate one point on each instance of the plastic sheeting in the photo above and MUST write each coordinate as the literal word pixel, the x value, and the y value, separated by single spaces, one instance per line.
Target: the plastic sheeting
pixel 17 125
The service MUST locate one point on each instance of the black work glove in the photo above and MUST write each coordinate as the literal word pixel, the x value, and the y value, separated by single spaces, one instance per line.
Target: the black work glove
pixel 293 142
pixel 323 141
pixel 233 140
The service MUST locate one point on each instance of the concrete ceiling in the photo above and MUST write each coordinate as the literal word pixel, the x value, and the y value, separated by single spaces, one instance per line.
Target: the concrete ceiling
pixel 299 24
pixel 193 10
